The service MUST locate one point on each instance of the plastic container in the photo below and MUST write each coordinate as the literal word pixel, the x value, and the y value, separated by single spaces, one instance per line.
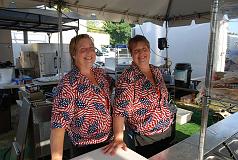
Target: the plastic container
pixel 182 75
pixel 183 116
pixel 6 75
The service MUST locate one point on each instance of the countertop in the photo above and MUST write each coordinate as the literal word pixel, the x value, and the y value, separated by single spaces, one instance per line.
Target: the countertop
pixel 188 149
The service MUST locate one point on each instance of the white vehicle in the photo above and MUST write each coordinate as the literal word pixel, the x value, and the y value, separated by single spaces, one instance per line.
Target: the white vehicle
pixel 103 54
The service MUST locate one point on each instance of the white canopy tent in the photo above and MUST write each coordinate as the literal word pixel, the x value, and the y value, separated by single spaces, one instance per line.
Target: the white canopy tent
pixel 176 13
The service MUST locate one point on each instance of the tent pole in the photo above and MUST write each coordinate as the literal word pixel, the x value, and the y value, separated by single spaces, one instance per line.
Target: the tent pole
pixel 210 57
pixel 167 55
pixel 25 37
pixel 61 40
pixel 166 29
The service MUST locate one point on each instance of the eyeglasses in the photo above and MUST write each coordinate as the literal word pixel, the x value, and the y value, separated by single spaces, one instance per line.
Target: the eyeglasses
pixel 89 49
pixel 83 50
pixel 136 51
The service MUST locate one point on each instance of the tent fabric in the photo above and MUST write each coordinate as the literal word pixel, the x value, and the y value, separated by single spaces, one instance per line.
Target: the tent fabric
pixel 177 12
pixel 156 11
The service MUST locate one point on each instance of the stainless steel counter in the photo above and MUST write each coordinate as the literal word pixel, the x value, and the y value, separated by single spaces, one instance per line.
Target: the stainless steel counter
pixel 188 148
pixel 45 83
pixel 13 85
pixel 9 86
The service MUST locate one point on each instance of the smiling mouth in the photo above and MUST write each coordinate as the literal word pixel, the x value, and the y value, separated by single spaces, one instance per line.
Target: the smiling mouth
pixel 142 58
pixel 88 58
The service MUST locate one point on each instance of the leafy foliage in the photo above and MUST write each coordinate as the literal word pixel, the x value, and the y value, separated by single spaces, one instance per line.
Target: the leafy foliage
pixel 120 32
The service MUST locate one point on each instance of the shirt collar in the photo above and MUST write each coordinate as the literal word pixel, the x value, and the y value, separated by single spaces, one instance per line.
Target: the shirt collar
pixel 96 71
pixel 76 71
pixel 135 68
pixel 138 72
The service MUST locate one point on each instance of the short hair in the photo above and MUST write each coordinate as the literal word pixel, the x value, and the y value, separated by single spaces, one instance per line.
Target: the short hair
pixel 138 38
pixel 74 41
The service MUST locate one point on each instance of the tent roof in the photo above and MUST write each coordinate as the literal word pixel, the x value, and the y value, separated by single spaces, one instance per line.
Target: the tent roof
pixel 157 11
pixel 177 12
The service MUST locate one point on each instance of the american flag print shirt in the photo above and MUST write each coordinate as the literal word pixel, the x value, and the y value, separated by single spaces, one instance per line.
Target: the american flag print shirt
pixel 144 105
pixel 82 108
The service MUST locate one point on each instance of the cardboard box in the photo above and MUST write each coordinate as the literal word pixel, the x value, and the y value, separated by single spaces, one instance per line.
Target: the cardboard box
pixel 188 99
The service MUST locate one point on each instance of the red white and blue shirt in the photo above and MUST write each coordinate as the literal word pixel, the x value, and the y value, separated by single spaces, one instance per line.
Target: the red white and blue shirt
pixel 83 108
pixel 143 104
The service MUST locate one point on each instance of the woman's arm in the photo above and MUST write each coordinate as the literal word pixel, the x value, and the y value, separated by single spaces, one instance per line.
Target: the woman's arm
pixel 61 117
pixel 123 101
pixel 118 129
pixel 57 143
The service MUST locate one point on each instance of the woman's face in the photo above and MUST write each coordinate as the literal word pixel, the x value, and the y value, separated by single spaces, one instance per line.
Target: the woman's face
pixel 85 54
pixel 141 54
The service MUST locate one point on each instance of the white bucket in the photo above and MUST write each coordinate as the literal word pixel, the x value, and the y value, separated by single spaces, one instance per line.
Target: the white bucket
pixel 6 75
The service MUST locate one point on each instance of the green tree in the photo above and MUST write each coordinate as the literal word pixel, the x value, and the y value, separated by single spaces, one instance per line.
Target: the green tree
pixel 119 32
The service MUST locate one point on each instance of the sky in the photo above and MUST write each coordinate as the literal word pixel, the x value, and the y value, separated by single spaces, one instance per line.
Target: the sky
pixel 233 25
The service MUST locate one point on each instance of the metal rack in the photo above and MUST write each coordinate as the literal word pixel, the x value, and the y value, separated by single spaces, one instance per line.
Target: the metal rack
pixel 36 20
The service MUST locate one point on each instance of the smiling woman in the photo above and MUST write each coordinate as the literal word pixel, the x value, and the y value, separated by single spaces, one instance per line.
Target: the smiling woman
pixel 141 103
pixel 82 103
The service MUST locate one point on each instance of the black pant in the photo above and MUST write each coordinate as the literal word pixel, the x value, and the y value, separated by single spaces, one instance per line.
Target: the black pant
pixel 150 150
pixel 79 150
pixel 148 146
pixel 129 138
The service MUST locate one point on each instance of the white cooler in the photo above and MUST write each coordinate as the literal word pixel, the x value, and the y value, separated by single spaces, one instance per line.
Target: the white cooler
pixel 6 75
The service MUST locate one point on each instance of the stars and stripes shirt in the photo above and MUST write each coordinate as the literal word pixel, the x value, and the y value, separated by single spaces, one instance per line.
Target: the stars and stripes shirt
pixel 82 108
pixel 144 105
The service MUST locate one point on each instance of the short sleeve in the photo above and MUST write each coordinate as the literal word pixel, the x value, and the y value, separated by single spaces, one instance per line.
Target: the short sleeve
pixel 124 96
pixel 63 106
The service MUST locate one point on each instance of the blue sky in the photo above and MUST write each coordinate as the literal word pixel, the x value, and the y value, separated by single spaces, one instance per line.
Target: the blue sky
pixel 233 25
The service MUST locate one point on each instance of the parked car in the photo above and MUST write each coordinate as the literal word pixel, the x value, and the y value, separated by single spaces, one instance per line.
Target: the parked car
pixel 103 54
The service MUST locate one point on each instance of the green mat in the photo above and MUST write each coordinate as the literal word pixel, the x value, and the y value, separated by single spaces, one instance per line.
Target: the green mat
pixel 4 154
pixel 186 130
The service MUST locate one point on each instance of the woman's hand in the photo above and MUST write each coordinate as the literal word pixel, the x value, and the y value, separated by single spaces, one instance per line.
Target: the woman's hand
pixel 118 125
pixel 113 146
